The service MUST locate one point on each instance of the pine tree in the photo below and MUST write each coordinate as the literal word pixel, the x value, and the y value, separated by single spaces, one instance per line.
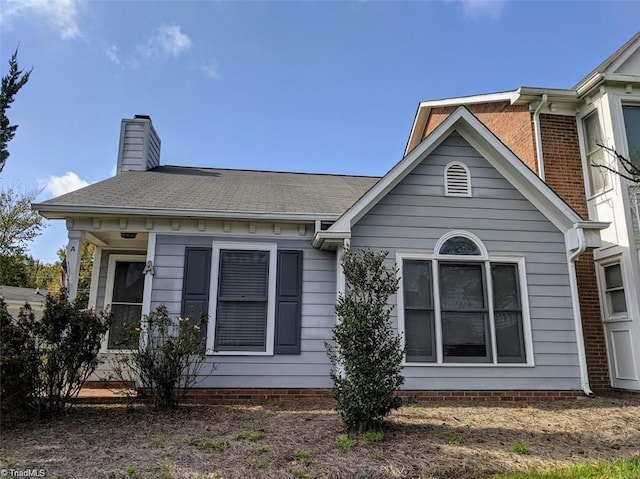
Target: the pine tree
pixel 11 84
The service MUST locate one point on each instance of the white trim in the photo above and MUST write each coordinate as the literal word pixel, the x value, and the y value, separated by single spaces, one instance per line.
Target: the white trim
pixel 451 234
pixel 49 211
pixel 449 189
pixel 492 149
pixel 148 277
pixel 108 293
pixel 510 96
pixel 148 287
pixel 487 262
pixel 607 316
pixel 95 278
pixel 272 249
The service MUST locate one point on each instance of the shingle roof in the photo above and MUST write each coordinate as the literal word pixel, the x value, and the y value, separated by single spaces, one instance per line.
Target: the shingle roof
pixel 219 190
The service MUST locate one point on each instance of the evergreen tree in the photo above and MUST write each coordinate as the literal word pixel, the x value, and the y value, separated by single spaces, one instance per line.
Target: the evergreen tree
pixel 11 84
pixel 365 352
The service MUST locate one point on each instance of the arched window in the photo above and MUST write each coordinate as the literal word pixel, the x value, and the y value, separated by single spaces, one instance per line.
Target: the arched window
pixel 457 179
pixel 462 306
pixel 460 245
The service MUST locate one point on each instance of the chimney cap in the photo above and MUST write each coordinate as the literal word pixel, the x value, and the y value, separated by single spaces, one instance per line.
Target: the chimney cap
pixel 142 117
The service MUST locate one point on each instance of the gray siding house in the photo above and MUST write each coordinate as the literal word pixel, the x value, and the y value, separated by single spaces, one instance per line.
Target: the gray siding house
pixel 485 250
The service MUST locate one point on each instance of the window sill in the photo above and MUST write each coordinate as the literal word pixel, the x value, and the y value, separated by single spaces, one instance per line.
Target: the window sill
pixel 239 353
pixel 468 365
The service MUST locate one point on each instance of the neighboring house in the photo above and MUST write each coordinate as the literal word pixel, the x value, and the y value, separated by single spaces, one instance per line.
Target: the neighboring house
pixel 498 290
pixel 559 134
pixel 15 298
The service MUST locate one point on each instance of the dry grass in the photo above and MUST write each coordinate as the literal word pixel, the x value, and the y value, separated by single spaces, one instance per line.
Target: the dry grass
pixel 298 440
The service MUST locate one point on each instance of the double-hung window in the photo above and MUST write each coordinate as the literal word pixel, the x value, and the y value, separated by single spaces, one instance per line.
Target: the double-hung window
pixel 615 303
pixel 631 115
pixel 598 177
pixel 243 288
pixel 460 306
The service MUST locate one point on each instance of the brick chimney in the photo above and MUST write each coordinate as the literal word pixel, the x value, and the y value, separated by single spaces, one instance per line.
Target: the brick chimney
pixel 139 145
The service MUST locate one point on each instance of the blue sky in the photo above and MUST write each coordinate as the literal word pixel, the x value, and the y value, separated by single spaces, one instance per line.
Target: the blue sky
pixel 306 86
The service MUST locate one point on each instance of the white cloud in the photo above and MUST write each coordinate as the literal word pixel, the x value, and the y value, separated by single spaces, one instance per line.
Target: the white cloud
pixel 61 15
pixel 60 185
pixel 211 71
pixel 112 54
pixel 483 8
pixel 167 40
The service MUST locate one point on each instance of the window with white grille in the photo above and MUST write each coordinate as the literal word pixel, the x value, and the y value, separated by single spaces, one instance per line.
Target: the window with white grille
pixel 457 179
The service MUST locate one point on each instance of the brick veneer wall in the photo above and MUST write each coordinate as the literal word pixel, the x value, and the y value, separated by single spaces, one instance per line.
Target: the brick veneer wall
pixel 205 396
pixel 563 173
pixel 513 124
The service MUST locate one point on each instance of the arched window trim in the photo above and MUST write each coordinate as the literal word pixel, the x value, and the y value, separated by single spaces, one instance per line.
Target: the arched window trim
pixel 448 189
pixel 484 255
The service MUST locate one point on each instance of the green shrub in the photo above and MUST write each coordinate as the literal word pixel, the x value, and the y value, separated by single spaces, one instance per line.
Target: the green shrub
pixel 18 365
pixel 452 438
pixel 345 443
pixel 520 448
pixel 253 435
pixel 60 351
pixel 373 436
pixel 365 352
pixel 168 360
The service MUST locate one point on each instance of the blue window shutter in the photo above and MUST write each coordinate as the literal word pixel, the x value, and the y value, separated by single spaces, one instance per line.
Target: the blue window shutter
pixel 288 302
pixel 195 284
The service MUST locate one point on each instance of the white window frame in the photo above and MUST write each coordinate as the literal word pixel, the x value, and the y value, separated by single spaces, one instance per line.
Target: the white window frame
pixel 608 316
pixel 626 103
pixel 272 249
pixel 584 144
pixel 108 293
pixel 487 260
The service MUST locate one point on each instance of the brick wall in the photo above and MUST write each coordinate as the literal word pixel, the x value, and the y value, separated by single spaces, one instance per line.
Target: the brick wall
pixel 513 124
pixel 563 173
pixel 258 395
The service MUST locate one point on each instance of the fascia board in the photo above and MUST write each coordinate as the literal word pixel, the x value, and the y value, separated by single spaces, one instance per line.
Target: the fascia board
pixel 417 128
pixel 509 96
pixel 321 239
pixel 586 85
pixel 63 211
pixel 621 78
pixel 396 174
pixel 481 138
pixel 521 177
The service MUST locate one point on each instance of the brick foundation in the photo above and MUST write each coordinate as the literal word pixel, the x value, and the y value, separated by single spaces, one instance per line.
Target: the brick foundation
pixel 221 395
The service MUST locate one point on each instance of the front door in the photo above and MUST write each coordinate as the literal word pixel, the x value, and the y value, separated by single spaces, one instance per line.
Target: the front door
pixel 126 301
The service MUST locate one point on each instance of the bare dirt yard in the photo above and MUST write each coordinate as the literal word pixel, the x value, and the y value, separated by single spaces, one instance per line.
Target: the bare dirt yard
pixel 305 440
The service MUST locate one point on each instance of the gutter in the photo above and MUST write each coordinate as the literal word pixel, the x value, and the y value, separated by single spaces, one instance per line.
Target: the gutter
pixel 62 211
pixel 581 246
pixel 538 135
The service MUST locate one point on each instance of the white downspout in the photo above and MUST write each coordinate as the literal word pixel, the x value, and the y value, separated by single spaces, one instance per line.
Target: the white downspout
pixel 538 135
pixel 573 283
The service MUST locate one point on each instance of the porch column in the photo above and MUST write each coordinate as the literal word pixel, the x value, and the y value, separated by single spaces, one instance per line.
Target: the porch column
pixel 74 252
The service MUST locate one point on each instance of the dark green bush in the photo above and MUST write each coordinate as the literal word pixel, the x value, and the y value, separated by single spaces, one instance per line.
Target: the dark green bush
pixel 58 352
pixel 168 360
pixel 18 365
pixel 365 352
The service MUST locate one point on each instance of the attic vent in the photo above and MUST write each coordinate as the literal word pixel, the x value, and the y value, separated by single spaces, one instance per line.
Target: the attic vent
pixel 457 179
